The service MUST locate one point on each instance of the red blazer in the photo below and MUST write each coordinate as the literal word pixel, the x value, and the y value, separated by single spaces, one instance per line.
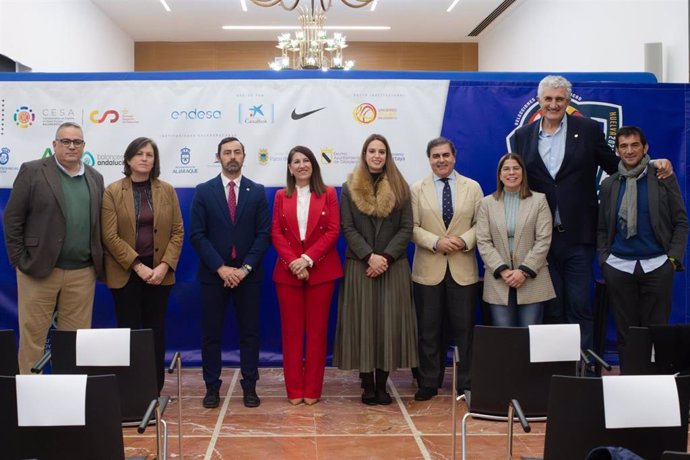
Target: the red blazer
pixel 323 228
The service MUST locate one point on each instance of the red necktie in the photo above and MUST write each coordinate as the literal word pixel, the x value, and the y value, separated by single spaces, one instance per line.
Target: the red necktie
pixel 232 207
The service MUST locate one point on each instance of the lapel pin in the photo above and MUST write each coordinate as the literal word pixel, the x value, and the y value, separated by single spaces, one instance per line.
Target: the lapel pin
pixel 247 188
pixel 323 213
pixel 576 135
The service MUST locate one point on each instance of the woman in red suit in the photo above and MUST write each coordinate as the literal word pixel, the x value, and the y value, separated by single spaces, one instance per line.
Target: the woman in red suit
pixel 306 224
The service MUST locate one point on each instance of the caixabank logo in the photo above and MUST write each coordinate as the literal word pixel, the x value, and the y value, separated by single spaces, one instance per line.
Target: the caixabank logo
pixel 608 115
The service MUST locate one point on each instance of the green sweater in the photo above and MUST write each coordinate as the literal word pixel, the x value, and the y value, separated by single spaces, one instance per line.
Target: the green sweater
pixel 76 248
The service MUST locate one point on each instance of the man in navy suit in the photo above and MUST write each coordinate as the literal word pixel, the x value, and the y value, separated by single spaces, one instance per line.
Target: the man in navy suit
pixel 562 153
pixel 230 230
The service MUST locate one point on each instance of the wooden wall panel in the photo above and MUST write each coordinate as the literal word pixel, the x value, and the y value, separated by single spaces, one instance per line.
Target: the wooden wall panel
pixel 155 56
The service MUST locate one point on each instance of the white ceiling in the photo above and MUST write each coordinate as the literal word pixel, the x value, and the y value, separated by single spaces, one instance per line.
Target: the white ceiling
pixel 201 20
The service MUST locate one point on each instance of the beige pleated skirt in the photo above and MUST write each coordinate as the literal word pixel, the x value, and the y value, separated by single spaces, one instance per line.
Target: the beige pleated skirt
pixel 377 325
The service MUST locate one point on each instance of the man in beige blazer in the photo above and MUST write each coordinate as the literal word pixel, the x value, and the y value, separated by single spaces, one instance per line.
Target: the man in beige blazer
pixel 444 270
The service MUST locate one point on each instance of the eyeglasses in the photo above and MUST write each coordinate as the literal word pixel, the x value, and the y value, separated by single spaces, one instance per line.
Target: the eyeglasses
pixel 67 142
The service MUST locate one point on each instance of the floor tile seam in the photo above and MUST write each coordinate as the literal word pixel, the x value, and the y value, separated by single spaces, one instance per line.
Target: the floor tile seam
pixel 221 416
pixel 410 423
pixel 325 435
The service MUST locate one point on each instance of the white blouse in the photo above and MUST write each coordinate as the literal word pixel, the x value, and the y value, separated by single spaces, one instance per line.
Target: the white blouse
pixel 303 198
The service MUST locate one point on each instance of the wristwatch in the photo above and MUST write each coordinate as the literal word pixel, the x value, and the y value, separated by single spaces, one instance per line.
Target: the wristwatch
pixel 246 268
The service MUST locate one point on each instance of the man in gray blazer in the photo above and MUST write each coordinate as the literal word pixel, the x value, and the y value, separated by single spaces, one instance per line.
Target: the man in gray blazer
pixel 641 237
pixel 53 240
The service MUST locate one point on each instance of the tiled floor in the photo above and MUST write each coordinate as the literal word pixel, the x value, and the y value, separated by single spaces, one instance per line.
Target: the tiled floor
pixel 339 426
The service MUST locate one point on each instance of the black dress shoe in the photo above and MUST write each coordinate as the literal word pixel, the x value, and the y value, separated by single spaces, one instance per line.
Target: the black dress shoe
pixel 251 399
pixel 212 398
pixel 369 397
pixel 425 394
pixel 383 398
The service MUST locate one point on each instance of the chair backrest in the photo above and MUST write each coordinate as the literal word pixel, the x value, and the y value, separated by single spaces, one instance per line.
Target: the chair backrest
pixel 671 345
pixel 501 371
pixel 136 382
pixel 100 437
pixel 576 424
pixel 8 353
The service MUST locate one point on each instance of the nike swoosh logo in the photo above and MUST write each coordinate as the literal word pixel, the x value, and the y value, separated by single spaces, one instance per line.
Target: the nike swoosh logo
pixel 299 116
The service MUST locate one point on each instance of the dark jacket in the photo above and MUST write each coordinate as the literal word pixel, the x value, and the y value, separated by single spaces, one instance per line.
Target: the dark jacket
pixel 667 213
pixel 213 234
pixel 573 191
pixel 34 219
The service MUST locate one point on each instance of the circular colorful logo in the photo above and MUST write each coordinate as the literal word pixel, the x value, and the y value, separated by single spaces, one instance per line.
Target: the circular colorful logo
pixel 24 117
pixel 365 113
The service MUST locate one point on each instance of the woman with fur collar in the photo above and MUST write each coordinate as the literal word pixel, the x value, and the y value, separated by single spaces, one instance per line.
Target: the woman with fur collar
pixel 376 330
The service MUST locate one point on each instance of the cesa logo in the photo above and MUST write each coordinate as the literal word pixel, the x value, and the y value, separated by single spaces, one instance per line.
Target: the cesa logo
pixel 24 117
pixel 51 112
pixel 110 115
pixel 196 114
pixel 365 113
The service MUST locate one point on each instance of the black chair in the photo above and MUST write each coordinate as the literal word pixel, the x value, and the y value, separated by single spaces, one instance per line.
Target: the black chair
pixel 672 350
pixel 501 372
pixel 8 353
pixel 100 437
pixel 137 382
pixel 576 423
pixel 668 455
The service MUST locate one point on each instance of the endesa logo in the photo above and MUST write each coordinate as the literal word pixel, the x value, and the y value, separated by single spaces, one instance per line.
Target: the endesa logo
pixel 109 115
pixel 196 114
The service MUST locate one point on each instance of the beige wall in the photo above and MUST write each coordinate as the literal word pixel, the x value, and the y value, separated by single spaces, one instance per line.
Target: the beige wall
pixel 152 56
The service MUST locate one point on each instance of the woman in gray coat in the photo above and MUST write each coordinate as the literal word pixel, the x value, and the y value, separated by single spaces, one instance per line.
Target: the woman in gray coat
pixel 376 330
pixel 513 236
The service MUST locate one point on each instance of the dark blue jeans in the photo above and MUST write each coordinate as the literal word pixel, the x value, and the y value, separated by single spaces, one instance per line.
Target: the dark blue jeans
pixel 517 316
pixel 514 315
pixel 570 267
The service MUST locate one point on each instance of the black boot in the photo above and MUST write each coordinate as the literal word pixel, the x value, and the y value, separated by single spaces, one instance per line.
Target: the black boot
pixel 369 394
pixel 382 397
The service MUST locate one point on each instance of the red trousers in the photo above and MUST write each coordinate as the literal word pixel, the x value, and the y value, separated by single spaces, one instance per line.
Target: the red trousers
pixel 304 312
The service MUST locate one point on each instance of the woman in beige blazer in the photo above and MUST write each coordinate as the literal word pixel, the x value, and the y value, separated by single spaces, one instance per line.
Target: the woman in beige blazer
pixel 142 234
pixel 513 236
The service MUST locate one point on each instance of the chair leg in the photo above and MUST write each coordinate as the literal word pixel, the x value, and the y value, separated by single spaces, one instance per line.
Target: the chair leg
pixel 158 432
pixel 165 440
pixel 178 365
pixel 463 430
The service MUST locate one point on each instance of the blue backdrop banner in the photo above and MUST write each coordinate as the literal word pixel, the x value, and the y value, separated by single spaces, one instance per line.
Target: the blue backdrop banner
pixel 477 111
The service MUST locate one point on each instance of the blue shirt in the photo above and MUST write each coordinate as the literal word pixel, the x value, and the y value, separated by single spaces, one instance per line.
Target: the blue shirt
pixel 552 147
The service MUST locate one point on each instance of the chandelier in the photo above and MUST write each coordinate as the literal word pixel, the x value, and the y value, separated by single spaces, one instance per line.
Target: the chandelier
pixel 311 47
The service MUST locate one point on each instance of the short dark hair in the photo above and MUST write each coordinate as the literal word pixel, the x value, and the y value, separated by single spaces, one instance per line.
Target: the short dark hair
pixel 225 140
pixel 625 131
pixel 132 149
pixel 439 141
pixel 316 184
pixel 524 191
